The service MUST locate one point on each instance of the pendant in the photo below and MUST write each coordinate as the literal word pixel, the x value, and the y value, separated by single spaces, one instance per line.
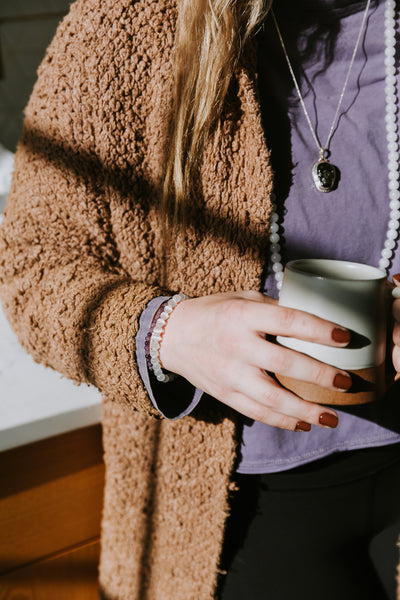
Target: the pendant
pixel 324 173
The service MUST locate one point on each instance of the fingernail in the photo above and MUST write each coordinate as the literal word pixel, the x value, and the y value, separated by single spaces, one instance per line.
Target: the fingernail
pixel 396 278
pixel 342 382
pixel 341 336
pixel 328 420
pixel 302 426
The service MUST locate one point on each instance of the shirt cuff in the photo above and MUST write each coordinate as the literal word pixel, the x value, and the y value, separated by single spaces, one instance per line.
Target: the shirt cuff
pixel 174 399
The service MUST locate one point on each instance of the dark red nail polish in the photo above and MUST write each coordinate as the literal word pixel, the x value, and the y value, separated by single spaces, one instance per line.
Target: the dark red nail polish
pixel 396 277
pixel 302 426
pixel 328 420
pixel 341 336
pixel 342 382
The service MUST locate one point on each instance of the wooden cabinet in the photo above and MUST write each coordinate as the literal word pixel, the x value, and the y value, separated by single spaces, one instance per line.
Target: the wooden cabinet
pixel 50 511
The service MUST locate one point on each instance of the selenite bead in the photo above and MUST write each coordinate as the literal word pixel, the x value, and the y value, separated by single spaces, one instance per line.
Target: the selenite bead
pixel 384 263
pixel 391 136
pixel 394 199
pixel 391 234
pixel 274 217
pixel 275 248
pixel 393 224
pixel 279 285
pixel 393 146
pixel 391 116
pixel 390 129
pixel 168 309
pixel 390 79
pixel 153 353
pixel 392 109
pixel 275 257
pixel 389 62
pixel 279 276
pixel 274 227
pixel 386 253
pixel 390 26
pixel 390 122
pixel 390 244
pixel 390 95
pixel 390 51
pixel 394 214
pixel 274 238
pixel 393 185
pixel 276 267
pixel 393 158
pixel 389 9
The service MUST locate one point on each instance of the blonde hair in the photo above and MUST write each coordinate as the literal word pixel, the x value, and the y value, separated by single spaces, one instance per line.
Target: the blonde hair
pixel 209 40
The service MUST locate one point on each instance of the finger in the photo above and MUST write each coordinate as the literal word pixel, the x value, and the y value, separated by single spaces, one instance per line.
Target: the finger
pixel 396 358
pixel 259 412
pixel 268 394
pixel 396 333
pixel 283 361
pixel 396 309
pixel 396 279
pixel 280 320
pixel 395 291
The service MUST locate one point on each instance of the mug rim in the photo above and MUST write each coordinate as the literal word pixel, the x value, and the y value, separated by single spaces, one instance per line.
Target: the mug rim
pixel 375 273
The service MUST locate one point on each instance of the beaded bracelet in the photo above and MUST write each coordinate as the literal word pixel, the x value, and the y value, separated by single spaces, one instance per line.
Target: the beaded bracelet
pixel 157 335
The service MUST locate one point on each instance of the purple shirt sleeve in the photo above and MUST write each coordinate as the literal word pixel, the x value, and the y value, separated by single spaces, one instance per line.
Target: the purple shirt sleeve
pixel 175 399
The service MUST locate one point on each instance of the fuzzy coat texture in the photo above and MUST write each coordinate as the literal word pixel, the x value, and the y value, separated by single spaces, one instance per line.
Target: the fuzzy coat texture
pixel 80 251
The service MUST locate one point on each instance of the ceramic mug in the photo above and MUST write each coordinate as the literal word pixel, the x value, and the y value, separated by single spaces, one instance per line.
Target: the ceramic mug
pixel 354 296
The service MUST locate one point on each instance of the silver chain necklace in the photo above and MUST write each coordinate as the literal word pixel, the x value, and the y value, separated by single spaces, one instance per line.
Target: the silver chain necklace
pixel 393 155
pixel 325 174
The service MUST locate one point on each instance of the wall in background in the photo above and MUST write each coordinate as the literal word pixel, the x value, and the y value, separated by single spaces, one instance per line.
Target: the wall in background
pixel 26 29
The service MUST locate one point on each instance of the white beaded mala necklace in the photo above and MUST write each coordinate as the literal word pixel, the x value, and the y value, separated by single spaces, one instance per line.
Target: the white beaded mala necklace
pixel 392 145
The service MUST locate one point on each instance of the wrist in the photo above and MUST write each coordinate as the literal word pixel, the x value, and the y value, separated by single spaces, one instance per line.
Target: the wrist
pixel 156 338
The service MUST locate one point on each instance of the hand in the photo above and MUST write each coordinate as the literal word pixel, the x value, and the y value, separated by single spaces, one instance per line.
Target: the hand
pixel 218 343
pixel 396 328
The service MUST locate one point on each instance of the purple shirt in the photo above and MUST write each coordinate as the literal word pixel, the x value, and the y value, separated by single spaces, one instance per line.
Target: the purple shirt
pixel 349 223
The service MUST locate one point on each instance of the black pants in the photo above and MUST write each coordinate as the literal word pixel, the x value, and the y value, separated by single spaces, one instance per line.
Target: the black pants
pixel 325 531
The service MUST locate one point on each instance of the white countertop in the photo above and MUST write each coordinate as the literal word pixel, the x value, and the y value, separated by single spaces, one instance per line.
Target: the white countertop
pixel 37 402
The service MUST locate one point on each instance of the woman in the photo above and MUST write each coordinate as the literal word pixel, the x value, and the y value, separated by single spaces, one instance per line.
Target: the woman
pixel 143 170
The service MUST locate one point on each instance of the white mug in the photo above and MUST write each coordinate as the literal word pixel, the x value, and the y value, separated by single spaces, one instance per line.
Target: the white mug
pixel 353 296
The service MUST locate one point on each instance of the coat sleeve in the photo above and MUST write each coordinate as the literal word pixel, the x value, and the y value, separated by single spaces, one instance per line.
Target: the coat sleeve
pixel 72 304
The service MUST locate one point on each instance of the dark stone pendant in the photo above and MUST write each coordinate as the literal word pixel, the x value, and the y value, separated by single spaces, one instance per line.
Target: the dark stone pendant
pixel 324 175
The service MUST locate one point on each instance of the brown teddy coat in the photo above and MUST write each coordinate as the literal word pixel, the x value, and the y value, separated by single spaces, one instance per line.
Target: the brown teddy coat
pixel 80 259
